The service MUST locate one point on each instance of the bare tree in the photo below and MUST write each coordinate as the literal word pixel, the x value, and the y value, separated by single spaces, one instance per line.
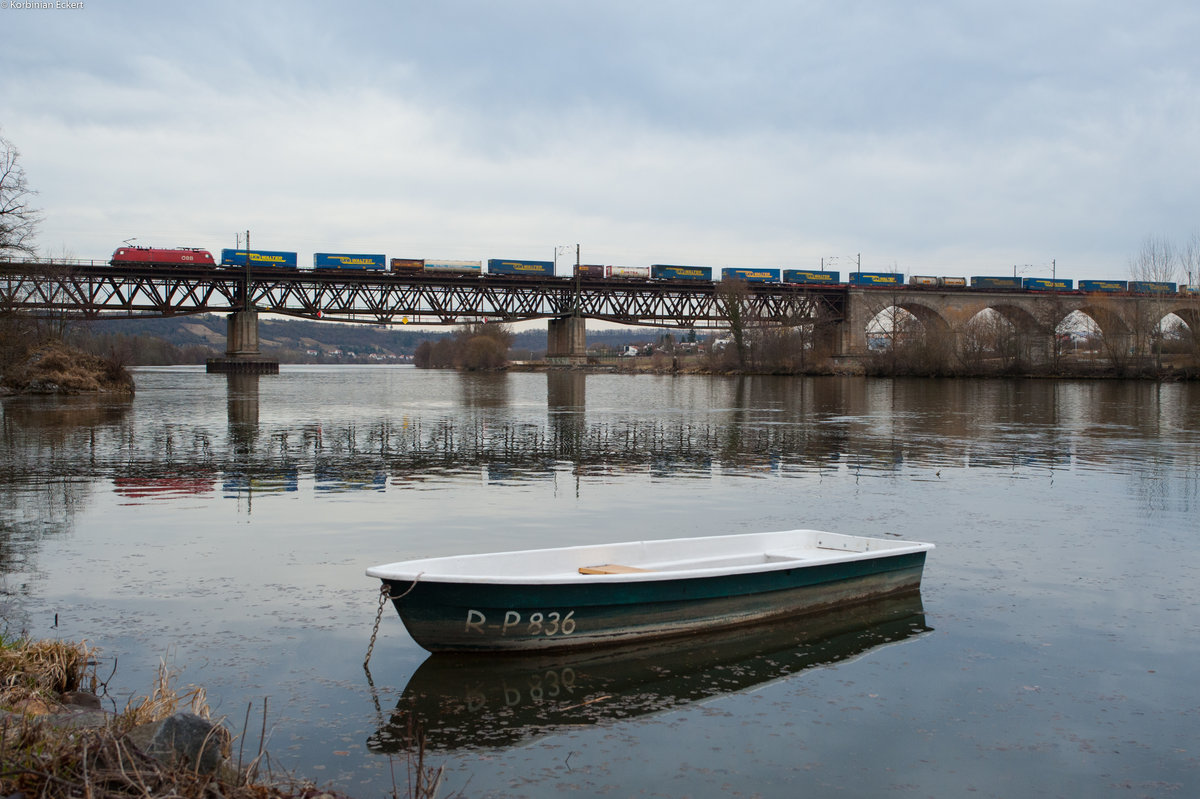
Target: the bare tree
pixel 1189 260
pixel 989 343
pixel 18 219
pixel 1157 262
pixel 732 299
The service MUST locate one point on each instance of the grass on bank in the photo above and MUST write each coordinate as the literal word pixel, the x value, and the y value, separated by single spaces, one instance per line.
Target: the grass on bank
pixel 49 760
pixel 54 368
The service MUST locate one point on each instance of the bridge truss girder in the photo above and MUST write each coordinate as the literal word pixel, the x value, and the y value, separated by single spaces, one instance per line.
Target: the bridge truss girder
pixel 101 291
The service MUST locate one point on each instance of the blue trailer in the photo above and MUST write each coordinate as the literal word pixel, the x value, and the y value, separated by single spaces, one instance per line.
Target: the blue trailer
pixel 751 275
pixel 328 260
pixel 1104 286
pixel 811 276
pixel 1046 284
pixel 876 279
pixel 1152 287
pixel 286 260
pixel 996 282
pixel 498 266
pixel 672 272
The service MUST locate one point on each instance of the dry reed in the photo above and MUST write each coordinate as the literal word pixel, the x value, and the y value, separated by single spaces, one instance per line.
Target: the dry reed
pixel 40 758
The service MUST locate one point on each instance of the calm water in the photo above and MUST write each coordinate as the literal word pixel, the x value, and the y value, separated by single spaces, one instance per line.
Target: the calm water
pixel 223 525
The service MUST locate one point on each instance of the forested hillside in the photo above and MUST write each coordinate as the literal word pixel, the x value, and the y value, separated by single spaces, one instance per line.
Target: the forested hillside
pixel 193 339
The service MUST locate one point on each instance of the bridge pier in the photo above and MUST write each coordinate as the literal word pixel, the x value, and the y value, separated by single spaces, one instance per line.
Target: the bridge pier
pixel 567 340
pixel 242 355
pixel 846 340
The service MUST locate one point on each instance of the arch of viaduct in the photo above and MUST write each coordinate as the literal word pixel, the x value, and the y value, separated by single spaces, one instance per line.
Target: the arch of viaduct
pixel 1123 320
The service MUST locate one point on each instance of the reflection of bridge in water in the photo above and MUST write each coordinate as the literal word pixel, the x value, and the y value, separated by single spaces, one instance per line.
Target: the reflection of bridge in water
pixel 55 453
pixel 751 426
pixel 800 431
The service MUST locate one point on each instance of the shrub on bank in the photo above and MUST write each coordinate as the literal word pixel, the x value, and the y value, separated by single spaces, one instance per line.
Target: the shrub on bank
pixel 57 369
pixel 474 347
pixel 57 743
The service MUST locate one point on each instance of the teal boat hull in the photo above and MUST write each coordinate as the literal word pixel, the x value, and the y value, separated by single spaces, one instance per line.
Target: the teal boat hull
pixel 470 616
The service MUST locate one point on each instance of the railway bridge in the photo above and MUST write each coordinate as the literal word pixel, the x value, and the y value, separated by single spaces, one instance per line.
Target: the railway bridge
pixel 1125 321
pixel 838 316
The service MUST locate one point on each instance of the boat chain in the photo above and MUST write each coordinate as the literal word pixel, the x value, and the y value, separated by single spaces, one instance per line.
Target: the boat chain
pixel 384 596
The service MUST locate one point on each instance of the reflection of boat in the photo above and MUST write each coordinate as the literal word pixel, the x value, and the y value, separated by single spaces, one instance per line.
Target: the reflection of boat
pixel 569 597
pixel 466 702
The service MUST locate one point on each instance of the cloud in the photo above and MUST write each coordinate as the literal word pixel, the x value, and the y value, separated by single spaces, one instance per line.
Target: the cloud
pixel 771 133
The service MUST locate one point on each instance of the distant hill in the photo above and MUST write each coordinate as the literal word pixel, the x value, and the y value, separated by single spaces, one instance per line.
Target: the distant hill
pixel 193 339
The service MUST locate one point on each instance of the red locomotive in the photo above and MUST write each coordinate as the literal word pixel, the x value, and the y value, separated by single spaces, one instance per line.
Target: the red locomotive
pixel 180 256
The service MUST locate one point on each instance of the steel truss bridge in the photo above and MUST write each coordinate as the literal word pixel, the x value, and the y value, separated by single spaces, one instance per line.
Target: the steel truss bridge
pixel 92 289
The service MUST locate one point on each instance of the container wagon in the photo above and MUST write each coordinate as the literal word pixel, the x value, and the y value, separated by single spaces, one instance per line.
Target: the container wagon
pixel 811 276
pixel 279 258
pixel 751 275
pixel 632 272
pixel 673 272
pixel 1046 284
pixel 498 266
pixel 1152 287
pixel 589 270
pixel 408 264
pixel 995 282
pixel 876 279
pixel 178 256
pixel 922 280
pixel 329 260
pixel 460 267
pixel 953 282
pixel 1104 286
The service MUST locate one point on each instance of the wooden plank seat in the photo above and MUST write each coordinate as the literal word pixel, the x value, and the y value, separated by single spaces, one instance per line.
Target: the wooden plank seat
pixel 610 568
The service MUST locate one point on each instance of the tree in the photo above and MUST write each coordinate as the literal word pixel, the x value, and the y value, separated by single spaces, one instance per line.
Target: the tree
pixel 1189 259
pixel 1157 262
pixel 18 219
pixel 474 346
pixel 732 299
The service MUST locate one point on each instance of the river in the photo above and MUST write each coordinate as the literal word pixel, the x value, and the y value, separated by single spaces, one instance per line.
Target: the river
pixel 222 525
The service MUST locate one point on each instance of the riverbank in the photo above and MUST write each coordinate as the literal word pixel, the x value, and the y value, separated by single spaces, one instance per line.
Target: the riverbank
pixel 55 368
pixel 1171 370
pixel 58 742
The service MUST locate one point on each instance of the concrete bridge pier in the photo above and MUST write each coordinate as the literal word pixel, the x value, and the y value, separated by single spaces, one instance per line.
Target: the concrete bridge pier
pixel 567 340
pixel 242 354
pixel 241 335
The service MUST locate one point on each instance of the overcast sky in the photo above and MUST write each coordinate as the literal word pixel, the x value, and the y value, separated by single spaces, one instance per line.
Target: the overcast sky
pixel 929 137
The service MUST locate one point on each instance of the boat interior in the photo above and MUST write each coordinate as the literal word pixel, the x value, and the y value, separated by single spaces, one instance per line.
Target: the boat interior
pixel 689 564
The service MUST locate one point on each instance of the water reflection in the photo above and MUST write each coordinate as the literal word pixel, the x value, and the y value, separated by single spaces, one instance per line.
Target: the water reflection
pixel 241 400
pixel 45 444
pixel 597 425
pixel 484 389
pixel 463 702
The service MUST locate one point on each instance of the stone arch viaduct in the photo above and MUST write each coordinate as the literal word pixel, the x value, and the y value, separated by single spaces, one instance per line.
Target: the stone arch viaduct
pixel 1124 320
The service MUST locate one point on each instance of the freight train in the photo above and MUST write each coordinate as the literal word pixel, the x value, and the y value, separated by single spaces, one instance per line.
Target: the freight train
pixel 233 258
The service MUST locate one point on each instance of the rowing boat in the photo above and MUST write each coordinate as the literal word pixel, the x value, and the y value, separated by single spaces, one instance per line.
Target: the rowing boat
pixel 473 702
pixel 567 597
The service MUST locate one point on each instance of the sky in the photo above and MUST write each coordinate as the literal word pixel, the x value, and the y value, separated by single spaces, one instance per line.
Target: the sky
pixel 938 138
